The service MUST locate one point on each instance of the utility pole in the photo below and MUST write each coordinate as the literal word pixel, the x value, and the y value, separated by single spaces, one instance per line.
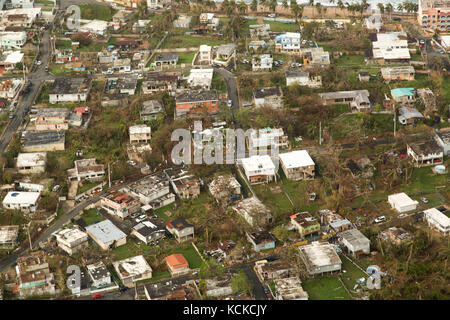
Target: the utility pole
pixel 320 133
pixel 29 236
pixel 109 174
pixel 395 122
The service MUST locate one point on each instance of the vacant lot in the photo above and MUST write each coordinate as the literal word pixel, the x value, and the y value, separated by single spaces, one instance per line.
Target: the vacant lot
pixel 98 12
pixel 329 288
pixel 188 41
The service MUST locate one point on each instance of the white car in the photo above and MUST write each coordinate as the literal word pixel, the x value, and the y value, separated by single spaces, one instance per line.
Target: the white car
pixel 141 218
pixel 38 62
pixel 380 219
pixel 229 103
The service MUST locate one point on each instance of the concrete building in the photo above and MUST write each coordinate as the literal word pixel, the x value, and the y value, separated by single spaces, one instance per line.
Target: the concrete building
pixel 86 169
pixel 315 57
pixel 390 47
pixel 94 26
pixel 262 62
pixel 180 229
pixel 140 133
pixel 398 73
pixel 266 139
pixel 358 100
pixel 320 258
pixel 437 220
pixel 289 289
pixel 433 15
pixel 184 185
pixel 297 165
pixel 425 153
pixel 205 54
pixel 71 240
pixel 150 188
pixel 177 264
pixel 10 88
pixel 99 275
pixel 34 276
pixel 355 242
pixel 106 235
pixel 402 203
pixel 23 201
pixel 303 79
pixel 133 269
pixel 259 169
pixel 200 78
pixel 151 109
pixel 44 141
pixel 166 59
pixel 404 96
pixel 191 104
pixel 261 240
pixel 288 42
pixel 120 204
pixel 12 40
pixel 254 212
pixel 442 137
pixel 47 119
pixel 8 236
pixel 29 163
pixel 159 82
pixel 70 90
pixel 149 231
pixel 268 97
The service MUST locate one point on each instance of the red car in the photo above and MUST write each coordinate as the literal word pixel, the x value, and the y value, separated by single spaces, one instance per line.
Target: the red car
pixel 97 295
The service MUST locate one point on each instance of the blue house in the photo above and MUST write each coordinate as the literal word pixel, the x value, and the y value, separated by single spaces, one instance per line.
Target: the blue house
pixel 404 96
pixel 261 240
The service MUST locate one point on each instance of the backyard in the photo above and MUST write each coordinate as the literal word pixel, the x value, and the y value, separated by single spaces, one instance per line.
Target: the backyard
pixel 328 288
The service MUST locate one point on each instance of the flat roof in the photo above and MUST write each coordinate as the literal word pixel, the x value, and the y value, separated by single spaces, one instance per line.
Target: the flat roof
pixel 21 197
pixel 133 266
pixel 402 199
pixel 295 159
pixel 256 162
pixel 354 237
pixel 438 216
pixel 31 159
pixel 320 254
pixel 105 231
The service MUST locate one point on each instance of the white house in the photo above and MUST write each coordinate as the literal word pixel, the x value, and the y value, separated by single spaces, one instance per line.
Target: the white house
pixel 303 79
pixel 10 88
pixel 133 269
pixel 99 275
pixel 200 78
pixel 71 240
pixel 12 40
pixel 94 26
pixel 402 203
pixel 106 234
pixel 320 257
pixel 442 138
pixel 437 220
pixel 297 165
pixel 69 89
pixel 19 200
pixel 140 133
pixel 288 42
pixel 262 62
pixel 259 169
pixel 205 54
pixel 31 162
pixel 355 242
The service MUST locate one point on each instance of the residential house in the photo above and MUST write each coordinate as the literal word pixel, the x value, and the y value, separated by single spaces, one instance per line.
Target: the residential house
pixel 261 240
pixel 182 21
pixel 395 235
pixel 219 287
pixel 190 104
pixel 408 115
pixel 398 73
pixel 10 88
pixel 335 222
pixel 262 62
pixel 209 20
pixel 297 165
pixel 94 26
pixel 180 229
pixel 267 138
pixel 23 201
pixel 305 224
pixel 303 79
pixel 120 204
pixel 106 234
pixel 271 270
pixel 47 119
pixel 33 275
pixel 140 133
pixel 442 137
pixel 268 97
pixel 166 59
pixel 289 289
pixel 177 264
pixel 355 242
pixel 426 153
pixel 320 258
pixel 8 236
pixel 402 203
pixel 374 22
pixel 259 30
pixel 151 110
pixel 44 141
pixel 200 78
pixel 66 56
pixel 404 96
pixel 140 26
pixel 254 212
pixel 12 40
pixel 437 220
pixel 225 188
pixel 86 169
pixel 224 53
pixel 127 85
pixel 358 100
pixel 156 82
pixel 10 59
pixel 256 44
pixel 99 275
pixel 71 240
pixel 390 47
pixel 288 42
pixel 315 57
pixel 184 184
pixel 149 231
pixel 69 90
pixel 364 76
pixel 151 189
pixel 259 169
pixel 205 54
pixel 428 98
pixel 133 269
pixel 29 163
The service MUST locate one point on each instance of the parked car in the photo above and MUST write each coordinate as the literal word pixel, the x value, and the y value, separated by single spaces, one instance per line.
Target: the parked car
pixel 380 219
pixel 229 103
pixel 402 215
pixel 123 289
pixel 141 218
pixel 97 295
pixel 424 200
pixel 38 62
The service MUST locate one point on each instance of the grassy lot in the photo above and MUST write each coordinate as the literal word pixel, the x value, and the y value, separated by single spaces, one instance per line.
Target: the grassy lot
pixel 278 203
pixel 45 2
pixel 185 57
pixel 60 70
pixel 218 83
pixel 329 288
pixel 346 126
pixel 86 186
pixel 352 273
pixel 277 26
pixel 349 60
pixel 424 180
pixel 8 218
pixel 92 215
pixel 187 41
pixel 98 12
pixel 94 46
pixel 161 212
pixel 130 249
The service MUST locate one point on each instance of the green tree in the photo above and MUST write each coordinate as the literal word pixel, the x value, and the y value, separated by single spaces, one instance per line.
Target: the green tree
pixel 254 5
pixel 240 283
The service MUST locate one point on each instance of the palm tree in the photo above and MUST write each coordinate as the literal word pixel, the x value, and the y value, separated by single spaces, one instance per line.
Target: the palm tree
pixel 142 8
pixel 400 7
pixel 340 4
pixel 285 4
pixel 254 5
pixel 273 5
pixel 319 8
pixel 380 7
pixel 311 3
pixel 389 8
pixel 242 7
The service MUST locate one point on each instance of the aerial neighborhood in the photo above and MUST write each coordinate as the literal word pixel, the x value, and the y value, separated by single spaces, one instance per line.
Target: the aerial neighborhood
pixel 225 150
